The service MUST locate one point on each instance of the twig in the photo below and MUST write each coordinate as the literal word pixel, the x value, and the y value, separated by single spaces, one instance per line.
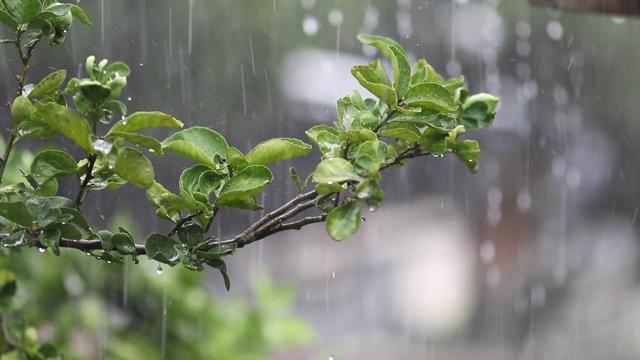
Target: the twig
pixel 385 120
pixel 182 222
pixel 82 192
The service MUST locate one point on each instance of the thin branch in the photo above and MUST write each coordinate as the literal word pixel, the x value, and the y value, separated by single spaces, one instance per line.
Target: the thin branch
pixel 82 192
pixel 182 222
pixel 385 120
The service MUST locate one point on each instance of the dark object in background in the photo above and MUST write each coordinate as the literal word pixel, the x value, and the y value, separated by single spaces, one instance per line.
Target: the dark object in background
pixel 622 7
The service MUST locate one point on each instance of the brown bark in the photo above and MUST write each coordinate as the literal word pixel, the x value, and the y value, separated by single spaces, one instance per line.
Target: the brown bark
pixel 622 7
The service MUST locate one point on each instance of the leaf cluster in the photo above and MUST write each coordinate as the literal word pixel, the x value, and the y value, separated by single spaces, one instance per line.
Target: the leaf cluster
pixel 414 112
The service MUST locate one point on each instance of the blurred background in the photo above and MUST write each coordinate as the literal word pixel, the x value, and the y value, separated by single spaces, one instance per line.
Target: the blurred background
pixel 534 257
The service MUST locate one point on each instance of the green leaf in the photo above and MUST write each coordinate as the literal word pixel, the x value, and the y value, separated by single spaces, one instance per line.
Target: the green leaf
pixel 22 110
pixel 369 79
pixel 248 202
pixel 8 286
pixel 190 177
pixel 222 267
pixel 30 38
pixel 376 65
pixel 58 9
pixel 191 234
pixel 401 130
pixel 366 165
pixel 330 144
pixel 49 84
pixel 123 243
pixel 314 131
pixel 198 143
pixel 117 68
pixel 249 181
pixel 76 217
pixel 145 120
pixel 105 239
pixel 278 149
pixel 52 163
pixel 468 151
pixel 218 251
pixel 453 83
pixel 22 10
pixel 68 231
pixel 401 70
pixel 478 111
pixel 209 181
pixel 134 167
pixel 32 130
pixel 333 171
pixel 80 15
pixel 431 74
pixel 380 42
pixel 161 248
pixel 138 139
pixel 8 20
pixel 236 159
pixel 17 239
pixel 296 178
pixel 68 122
pixel 17 212
pixel 50 238
pixel 432 96
pixel 42 212
pixel 434 141
pixel 344 220
pixel 115 105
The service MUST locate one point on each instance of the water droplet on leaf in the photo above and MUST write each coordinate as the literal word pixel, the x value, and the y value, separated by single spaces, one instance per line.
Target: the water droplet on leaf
pixel 42 250
pixel 159 270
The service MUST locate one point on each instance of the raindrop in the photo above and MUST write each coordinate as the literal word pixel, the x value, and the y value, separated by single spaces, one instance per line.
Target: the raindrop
pixel 159 269
pixel 487 251
pixel 141 64
pixel 42 250
pixel 310 26
pixel 574 176
pixel 493 276
pixel 538 296
pixel 308 4
pixel 523 29
pixel 555 30
pixel 618 19
pixel 454 68
pixel 329 182
pixel 494 197
pixel 110 166
pixel 331 357
pixel 108 261
pixel 336 17
pixel 524 200
pixel 372 208
pixel 129 98
pixel 333 274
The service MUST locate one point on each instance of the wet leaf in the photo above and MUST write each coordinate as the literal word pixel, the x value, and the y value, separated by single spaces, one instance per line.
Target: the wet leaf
pixel 333 171
pixel 247 202
pixel 51 238
pixel 278 149
pixel 8 20
pixel 80 15
pixel 401 130
pixel 52 163
pixel 17 239
pixel 377 66
pixel 123 243
pixel 191 234
pixel 22 110
pixel 49 84
pixel 17 212
pixel 468 151
pixel 314 131
pixel 434 141
pixel 8 286
pixel 379 42
pixel 453 83
pixel 249 181
pixel 137 139
pixel 68 231
pixel 189 179
pixel 68 122
pixel 145 120
pixel 478 111
pixel 161 248
pixel 344 220
pixel 42 213
pixel 198 143
pixel 369 79
pixel 236 159
pixel 22 10
pixel 431 96
pixel 218 251
pixel 222 267
pixel 401 70
pixel 296 178
pixel 134 167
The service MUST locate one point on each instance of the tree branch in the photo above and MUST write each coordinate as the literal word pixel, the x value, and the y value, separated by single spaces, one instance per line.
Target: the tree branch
pixel 271 223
